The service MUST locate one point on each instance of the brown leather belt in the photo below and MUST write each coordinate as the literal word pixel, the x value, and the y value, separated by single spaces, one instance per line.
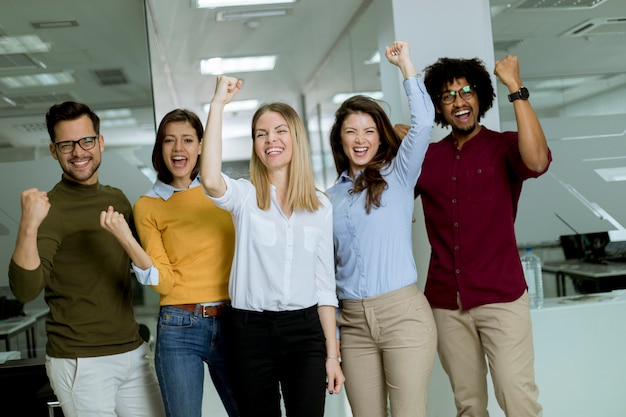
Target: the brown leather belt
pixel 204 311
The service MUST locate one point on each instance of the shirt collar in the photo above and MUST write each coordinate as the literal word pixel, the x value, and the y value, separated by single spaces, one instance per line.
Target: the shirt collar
pixel 345 176
pixel 165 191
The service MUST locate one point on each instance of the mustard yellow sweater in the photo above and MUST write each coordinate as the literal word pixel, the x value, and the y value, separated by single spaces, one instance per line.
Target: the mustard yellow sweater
pixel 191 243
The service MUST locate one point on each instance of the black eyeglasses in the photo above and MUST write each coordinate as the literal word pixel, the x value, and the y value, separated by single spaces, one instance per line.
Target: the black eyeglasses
pixel 87 143
pixel 465 93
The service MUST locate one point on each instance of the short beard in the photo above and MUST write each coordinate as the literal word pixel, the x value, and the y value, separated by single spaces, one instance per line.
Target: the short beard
pixel 465 132
pixel 71 175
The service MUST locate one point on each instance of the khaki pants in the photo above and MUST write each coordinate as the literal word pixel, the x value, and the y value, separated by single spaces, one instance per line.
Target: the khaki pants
pixel 388 346
pixel 502 332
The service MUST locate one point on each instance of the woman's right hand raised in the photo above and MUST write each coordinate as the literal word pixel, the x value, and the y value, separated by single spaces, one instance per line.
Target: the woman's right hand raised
pixel 398 53
pixel 226 89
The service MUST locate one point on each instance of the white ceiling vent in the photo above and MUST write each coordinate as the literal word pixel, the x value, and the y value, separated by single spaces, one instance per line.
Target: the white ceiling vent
pixel 246 14
pixel 544 5
pixel 111 76
pixel 600 26
pixel 47 99
pixel 32 127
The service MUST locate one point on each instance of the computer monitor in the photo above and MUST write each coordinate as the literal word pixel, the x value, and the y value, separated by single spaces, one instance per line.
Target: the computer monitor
pixel 572 246
pixel 593 246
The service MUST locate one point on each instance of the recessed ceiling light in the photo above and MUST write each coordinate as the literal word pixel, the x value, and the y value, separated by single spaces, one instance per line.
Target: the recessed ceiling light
pixel 341 97
pixel 22 44
pixel 218 66
pixel 212 4
pixel 125 122
pixel 114 113
pixel 38 80
pixel 236 106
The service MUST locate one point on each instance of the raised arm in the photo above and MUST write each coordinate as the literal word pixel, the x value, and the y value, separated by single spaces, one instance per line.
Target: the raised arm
pixel 211 157
pixel 533 146
pixel 408 161
pixel 399 54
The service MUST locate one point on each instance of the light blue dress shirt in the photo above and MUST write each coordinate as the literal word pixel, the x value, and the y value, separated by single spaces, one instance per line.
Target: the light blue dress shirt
pixel 374 252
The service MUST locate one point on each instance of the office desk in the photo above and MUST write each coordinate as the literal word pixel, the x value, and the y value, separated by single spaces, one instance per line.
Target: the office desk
pixel 587 277
pixel 27 324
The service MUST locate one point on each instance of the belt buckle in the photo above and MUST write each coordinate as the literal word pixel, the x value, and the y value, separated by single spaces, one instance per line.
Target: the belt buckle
pixel 205 310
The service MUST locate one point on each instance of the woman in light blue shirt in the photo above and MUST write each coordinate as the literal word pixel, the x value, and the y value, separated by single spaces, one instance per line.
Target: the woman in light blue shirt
pixel 388 337
pixel 282 283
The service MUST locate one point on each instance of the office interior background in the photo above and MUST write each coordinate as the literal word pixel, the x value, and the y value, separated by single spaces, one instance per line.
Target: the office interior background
pixel 133 61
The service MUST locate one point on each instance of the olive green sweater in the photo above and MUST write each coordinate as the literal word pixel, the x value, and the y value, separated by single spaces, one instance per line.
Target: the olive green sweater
pixel 85 273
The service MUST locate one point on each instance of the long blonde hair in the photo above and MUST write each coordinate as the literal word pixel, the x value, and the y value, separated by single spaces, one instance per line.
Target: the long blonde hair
pixel 301 193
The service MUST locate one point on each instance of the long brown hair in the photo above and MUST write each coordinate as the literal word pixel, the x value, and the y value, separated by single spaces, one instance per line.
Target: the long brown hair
pixel 301 193
pixel 370 178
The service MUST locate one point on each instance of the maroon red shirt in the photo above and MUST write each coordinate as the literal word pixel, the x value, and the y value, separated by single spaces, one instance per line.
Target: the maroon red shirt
pixel 470 202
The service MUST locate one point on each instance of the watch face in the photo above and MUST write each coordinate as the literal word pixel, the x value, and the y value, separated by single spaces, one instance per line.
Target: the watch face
pixel 523 93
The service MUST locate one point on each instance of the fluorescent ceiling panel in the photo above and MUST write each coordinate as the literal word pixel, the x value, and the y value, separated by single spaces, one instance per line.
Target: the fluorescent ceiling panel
pixel 212 4
pixel 22 44
pixel 236 106
pixel 341 97
pixel 218 66
pixel 115 113
pixel 38 80
pixel 123 122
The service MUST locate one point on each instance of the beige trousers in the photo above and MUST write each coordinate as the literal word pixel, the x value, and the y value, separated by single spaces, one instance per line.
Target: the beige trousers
pixel 502 332
pixel 388 346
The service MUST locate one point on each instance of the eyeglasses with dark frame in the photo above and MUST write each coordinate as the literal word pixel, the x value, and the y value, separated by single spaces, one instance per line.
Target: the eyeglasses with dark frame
pixel 448 97
pixel 86 143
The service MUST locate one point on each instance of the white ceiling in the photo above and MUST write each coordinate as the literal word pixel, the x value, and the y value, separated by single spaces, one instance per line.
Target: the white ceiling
pixel 558 67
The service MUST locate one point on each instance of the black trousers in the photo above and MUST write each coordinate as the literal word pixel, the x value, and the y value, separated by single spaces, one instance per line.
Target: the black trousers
pixel 270 352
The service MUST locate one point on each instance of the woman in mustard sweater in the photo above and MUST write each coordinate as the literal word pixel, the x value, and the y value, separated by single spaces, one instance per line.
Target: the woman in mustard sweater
pixel 189 245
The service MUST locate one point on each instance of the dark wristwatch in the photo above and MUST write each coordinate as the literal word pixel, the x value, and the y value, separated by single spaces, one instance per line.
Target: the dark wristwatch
pixel 521 94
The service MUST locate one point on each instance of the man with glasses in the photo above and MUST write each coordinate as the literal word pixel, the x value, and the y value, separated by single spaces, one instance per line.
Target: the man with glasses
pixel 95 359
pixel 470 185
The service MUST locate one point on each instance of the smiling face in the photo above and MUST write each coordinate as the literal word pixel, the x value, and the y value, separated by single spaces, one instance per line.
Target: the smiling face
pixel 273 143
pixel 462 114
pixel 360 140
pixel 181 147
pixel 80 165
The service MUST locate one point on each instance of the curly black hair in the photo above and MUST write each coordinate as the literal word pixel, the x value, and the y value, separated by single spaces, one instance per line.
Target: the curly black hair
pixel 447 70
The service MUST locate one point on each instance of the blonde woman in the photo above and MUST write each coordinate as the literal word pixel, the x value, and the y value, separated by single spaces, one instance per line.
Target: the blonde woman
pixel 282 282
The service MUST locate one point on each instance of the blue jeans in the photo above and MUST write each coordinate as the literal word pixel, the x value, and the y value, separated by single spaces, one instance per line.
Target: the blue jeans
pixel 185 341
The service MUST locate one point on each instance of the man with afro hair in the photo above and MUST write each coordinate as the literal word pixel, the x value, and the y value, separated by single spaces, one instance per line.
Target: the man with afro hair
pixel 470 185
